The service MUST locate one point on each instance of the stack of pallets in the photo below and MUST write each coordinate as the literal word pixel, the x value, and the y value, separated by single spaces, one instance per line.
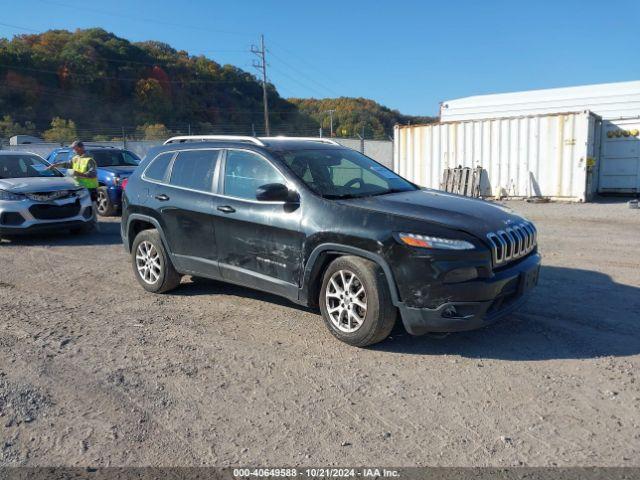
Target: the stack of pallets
pixel 462 180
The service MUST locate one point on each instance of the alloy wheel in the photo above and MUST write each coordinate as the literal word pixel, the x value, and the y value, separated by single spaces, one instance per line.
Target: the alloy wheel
pixel 148 262
pixel 346 301
pixel 102 202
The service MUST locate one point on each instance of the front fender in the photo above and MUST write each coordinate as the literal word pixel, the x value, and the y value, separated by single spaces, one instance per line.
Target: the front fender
pixel 316 261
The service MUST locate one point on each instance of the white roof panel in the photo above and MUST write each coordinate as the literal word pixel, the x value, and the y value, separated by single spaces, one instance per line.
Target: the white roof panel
pixel 609 100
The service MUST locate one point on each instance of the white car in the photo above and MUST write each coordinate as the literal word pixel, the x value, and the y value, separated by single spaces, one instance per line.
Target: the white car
pixel 34 199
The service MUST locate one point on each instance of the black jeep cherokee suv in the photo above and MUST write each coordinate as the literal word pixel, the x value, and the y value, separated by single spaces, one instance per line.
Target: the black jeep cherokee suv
pixel 324 225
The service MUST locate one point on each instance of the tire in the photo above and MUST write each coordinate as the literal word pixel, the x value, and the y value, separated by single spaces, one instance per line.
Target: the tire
pixel 85 229
pixel 379 316
pixel 104 205
pixel 160 275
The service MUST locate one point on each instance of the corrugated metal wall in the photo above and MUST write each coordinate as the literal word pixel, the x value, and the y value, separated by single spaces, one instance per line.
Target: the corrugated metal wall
pixel 525 156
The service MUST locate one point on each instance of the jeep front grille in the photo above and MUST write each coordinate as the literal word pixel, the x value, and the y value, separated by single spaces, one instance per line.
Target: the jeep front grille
pixel 512 243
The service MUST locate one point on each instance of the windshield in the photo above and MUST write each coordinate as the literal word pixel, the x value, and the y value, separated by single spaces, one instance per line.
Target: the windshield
pixel 25 166
pixel 344 173
pixel 114 158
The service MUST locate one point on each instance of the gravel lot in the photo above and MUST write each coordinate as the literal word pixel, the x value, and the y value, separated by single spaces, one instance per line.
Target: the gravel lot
pixel 94 371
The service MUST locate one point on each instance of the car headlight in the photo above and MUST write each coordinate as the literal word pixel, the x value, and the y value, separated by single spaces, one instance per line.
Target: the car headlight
pixel 117 181
pixel 16 197
pixel 426 241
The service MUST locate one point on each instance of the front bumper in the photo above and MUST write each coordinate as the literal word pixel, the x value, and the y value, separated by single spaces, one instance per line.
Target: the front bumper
pixel 16 217
pixel 503 293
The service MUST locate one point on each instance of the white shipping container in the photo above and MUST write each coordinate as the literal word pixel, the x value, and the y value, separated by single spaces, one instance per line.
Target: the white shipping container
pixel 526 156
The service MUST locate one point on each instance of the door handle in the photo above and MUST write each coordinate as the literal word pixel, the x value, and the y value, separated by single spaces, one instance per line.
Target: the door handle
pixel 162 197
pixel 226 209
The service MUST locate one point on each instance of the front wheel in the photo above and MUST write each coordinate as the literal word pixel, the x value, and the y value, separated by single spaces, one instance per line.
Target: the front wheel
pixel 104 205
pixel 151 264
pixel 355 301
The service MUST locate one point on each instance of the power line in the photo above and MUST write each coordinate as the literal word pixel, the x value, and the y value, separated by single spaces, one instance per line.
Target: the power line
pixel 137 18
pixel 304 60
pixel 333 92
pixel 19 28
pixel 306 86
pixel 126 79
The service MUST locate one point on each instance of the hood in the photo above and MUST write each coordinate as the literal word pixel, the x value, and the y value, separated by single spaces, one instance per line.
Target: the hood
pixel 477 217
pixel 119 171
pixel 38 184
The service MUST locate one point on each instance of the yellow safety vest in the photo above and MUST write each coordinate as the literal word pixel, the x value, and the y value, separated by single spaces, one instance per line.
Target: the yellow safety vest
pixel 81 165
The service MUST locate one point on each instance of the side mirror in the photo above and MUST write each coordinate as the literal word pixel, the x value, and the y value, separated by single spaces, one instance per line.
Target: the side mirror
pixel 276 192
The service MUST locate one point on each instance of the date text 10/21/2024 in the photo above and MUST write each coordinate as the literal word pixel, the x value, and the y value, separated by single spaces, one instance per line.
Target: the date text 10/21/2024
pixel 316 472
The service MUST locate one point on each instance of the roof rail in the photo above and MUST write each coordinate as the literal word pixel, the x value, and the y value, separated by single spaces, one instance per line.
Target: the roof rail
pixel 312 139
pixel 205 138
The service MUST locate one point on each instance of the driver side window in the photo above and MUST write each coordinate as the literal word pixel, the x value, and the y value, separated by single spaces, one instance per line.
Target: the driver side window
pixel 245 171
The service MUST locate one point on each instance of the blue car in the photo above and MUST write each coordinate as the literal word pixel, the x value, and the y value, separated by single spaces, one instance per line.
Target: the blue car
pixel 114 165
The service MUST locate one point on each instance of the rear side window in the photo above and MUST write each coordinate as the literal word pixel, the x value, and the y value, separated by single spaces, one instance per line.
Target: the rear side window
pixel 157 170
pixel 194 169
pixel 245 172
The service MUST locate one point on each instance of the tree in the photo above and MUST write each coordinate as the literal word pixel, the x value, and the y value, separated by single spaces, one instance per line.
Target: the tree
pixel 152 99
pixel 102 81
pixel 61 131
pixel 352 116
pixel 155 131
pixel 9 128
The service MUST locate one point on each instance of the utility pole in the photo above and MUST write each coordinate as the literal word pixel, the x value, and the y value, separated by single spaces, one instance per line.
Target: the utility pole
pixel 261 66
pixel 330 112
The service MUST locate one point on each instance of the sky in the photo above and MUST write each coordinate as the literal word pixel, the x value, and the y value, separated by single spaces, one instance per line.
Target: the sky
pixel 407 55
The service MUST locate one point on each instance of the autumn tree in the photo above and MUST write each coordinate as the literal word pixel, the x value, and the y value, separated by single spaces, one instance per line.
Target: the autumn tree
pixel 9 128
pixel 156 131
pixel 61 131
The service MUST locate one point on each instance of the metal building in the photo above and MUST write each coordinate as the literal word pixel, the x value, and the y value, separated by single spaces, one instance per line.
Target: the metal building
pixel 561 143
pixel 608 100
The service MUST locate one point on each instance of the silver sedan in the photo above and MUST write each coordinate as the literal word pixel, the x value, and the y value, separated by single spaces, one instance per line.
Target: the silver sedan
pixel 34 198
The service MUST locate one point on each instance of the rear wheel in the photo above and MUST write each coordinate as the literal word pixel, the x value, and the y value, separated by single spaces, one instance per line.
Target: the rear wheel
pixel 104 205
pixel 151 264
pixel 355 301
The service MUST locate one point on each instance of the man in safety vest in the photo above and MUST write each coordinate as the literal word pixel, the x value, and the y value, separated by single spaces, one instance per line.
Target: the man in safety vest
pixel 84 169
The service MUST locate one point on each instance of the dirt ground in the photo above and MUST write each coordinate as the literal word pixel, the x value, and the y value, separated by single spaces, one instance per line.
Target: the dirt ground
pixel 95 371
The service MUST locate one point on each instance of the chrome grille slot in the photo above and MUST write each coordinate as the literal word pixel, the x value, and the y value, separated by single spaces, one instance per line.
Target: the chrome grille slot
pixel 518 233
pixel 515 250
pixel 508 244
pixel 512 243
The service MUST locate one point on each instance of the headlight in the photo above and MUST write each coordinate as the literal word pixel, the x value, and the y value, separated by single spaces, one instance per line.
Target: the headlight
pixel 116 181
pixel 4 195
pixel 425 241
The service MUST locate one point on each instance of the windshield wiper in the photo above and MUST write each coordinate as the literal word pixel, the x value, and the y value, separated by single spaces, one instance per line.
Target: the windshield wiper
pixel 387 192
pixel 361 195
pixel 340 197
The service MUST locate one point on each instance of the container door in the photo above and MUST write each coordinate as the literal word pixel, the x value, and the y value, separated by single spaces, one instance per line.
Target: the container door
pixel 620 156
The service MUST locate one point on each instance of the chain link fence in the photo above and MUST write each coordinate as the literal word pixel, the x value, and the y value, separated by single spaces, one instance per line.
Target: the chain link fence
pixel 379 150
